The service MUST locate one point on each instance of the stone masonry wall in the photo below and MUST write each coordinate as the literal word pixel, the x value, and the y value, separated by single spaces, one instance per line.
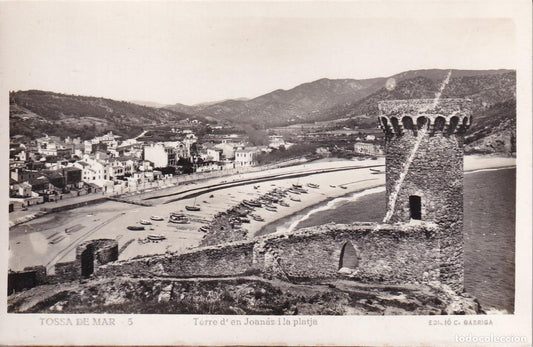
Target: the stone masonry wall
pixel 435 174
pixel 65 272
pixel 387 254
pixel 104 251
pixel 212 261
pixel 28 278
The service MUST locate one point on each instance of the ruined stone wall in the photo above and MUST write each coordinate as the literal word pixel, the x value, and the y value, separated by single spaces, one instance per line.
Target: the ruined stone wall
pixel 213 261
pixel 28 278
pixel 65 272
pixel 103 251
pixel 387 254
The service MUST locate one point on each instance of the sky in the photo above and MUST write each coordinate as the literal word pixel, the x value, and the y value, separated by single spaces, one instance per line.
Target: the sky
pixel 200 52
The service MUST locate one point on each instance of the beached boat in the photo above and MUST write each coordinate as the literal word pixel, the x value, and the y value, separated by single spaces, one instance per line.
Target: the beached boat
pixel 284 204
pixel 343 187
pixel 56 240
pixel 257 218
pixel 193 208
pixel 312 185
pixel 240 211
pixel 178 218
pixel 156 237
pixel 252 203
pixel 294 198
pixel 296 185
pixel 157 218
pixel 271 209
pixel 135 227
pixel 332 186
pixel 145 222
pixel 204 229
pixel 244 220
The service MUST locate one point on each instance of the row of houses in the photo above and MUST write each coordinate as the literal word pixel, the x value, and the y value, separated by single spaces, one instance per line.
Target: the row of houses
pixel 49 168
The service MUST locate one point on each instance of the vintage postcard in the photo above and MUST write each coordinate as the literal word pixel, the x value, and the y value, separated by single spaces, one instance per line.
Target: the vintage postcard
pixel 258 173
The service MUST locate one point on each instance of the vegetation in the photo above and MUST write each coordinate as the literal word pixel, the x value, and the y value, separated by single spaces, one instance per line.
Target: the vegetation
pixel 247 296
pixel 34 112
pixel 257 137
pixel 493 93
pixel 281 154
pixel 483 90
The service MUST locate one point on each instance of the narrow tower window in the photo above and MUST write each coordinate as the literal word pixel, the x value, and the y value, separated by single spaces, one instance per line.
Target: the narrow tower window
pixel 415 205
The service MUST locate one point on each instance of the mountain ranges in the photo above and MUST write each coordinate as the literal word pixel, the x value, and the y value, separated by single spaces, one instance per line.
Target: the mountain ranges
pixel 493 93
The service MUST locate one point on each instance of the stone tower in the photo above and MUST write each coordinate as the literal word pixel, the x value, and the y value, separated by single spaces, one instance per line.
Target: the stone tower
pixel 424 171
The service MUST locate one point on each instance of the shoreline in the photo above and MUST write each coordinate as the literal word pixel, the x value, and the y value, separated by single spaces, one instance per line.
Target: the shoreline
pixel 29 246
pixel 351 196
pixel 276 224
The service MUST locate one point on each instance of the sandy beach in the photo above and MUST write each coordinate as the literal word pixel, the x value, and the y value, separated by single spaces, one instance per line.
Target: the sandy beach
pixel 53 238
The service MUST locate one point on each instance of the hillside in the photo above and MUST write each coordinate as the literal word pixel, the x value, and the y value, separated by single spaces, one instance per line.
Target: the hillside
pixel 36 112
pixel 493 93
pixel 493 129
pixel 288 106
pixel 494 106
pixel 328 99
pixel 484 90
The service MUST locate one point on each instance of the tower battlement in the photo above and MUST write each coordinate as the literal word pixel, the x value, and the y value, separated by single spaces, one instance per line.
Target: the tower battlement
pixel 447 116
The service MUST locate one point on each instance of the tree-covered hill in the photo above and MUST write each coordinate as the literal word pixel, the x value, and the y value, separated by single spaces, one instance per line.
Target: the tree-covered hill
pixel 34 112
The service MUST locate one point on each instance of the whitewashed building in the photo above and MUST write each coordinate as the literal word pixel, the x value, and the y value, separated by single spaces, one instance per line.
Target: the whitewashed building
pixel 367 148
pixel 246 157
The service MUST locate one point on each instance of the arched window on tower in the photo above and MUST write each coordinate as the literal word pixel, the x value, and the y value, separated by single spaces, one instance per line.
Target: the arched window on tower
pixel 415 207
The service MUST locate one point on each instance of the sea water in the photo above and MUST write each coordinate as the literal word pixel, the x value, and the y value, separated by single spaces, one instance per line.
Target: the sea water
pixel 489 230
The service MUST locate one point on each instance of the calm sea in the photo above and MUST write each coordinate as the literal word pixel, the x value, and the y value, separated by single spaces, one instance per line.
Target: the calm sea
pixel 489 226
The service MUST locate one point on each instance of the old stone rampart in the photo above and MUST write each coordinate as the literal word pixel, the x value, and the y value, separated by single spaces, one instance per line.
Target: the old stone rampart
pixel 385 253
pixel 28 278
pixel 89 256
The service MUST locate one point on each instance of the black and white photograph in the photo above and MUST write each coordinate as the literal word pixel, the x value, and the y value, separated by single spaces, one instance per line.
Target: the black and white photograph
pixel 266 166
